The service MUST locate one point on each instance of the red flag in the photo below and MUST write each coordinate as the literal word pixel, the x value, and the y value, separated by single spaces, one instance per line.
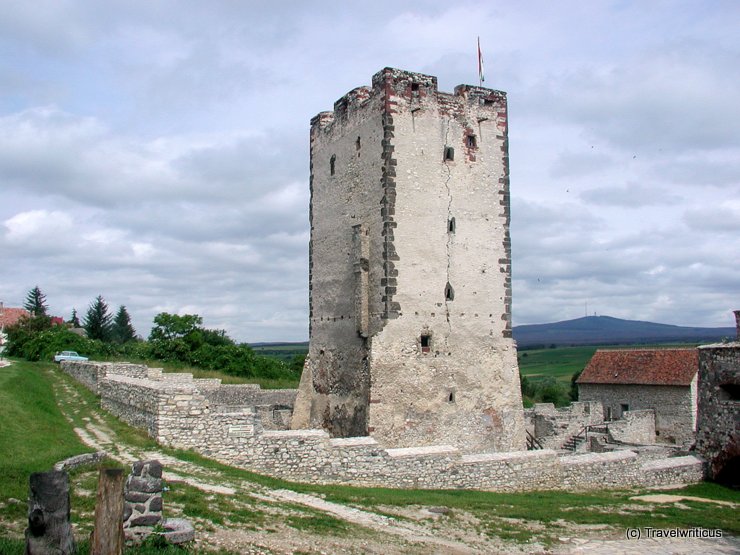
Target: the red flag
pixel 481 77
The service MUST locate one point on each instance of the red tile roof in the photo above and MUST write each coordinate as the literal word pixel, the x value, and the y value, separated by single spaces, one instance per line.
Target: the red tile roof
pixel 9 316
pixel 642 367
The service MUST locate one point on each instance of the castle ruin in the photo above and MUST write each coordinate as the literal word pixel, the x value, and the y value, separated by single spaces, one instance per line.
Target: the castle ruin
pixel 410 269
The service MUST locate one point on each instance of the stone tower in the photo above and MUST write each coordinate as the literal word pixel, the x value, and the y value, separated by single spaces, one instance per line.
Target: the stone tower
pixel 410 269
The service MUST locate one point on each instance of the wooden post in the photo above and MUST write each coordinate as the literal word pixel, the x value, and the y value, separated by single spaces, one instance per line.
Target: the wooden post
pixel 107 537
pixel 49 531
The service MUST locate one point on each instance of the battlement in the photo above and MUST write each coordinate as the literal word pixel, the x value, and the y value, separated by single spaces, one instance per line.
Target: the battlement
pixel 397 89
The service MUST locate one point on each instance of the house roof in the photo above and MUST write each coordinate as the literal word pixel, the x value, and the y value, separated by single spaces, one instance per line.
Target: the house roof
pixel 641 367
pixel 9 316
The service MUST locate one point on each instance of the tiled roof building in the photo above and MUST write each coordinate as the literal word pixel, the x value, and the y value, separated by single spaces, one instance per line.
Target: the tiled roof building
pixel 661 380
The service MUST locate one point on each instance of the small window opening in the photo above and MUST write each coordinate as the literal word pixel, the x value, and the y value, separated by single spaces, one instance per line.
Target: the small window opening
pixel 449 154
pixel 470 141
pixel 451 397
pixel 488 102
pixel 358 144
pixel 624 407
pixel 449 293
pixel 332 162
pixel 414 87
pixel 451 225
pixel 729 392
pixel 608 412
pixel 426 343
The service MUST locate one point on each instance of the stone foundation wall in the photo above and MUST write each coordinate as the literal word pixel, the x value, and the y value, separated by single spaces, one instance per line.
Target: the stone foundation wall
pixel 674 406
pixel 636 426
pixel 718 429
pixel 90 373
pixel 553 427
pixel 177 414
pixel 143 500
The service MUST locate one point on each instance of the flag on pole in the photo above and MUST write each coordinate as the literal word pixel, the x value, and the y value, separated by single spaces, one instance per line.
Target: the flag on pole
pixel 481 77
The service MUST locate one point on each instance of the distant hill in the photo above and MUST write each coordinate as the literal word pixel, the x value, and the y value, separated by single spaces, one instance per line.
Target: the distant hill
pixel 591 330
pixel 605 330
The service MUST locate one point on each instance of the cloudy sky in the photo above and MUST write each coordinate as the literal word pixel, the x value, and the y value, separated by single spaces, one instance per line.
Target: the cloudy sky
pixel 156 152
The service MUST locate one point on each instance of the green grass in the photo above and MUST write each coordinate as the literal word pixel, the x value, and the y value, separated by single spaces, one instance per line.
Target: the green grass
pixel 33 433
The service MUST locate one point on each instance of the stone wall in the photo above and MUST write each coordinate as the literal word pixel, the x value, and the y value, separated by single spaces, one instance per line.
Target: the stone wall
pixel 143 500
pixel 635 426
pixel 90 373
pixel 674 406
pixel 175 408
pixel 553 427
pixel 177 414
pixel 718 427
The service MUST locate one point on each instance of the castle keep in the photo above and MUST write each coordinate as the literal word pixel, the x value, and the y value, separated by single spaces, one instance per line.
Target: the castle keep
pixel 410 269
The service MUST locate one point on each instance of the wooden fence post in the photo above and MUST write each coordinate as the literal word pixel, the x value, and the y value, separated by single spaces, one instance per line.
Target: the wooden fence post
pixel 49 531
pixel 107 537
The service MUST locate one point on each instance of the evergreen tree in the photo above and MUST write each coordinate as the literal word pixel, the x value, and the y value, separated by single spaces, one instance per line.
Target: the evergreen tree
pixel 123 331
pixel 74 320
pixel 36 302
pixel 97 322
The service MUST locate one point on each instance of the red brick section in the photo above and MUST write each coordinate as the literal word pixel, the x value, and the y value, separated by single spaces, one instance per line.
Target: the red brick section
pixel 642 367
pixel 9 316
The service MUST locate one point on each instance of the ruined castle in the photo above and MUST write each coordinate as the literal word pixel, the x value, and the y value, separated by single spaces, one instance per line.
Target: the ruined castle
pixel 410 269
pixel 411 378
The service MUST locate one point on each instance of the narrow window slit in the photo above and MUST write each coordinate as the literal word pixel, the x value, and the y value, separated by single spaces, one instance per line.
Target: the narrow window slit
pixel 449 154
pixel 449 293
pixel 451 225
pixel 332 163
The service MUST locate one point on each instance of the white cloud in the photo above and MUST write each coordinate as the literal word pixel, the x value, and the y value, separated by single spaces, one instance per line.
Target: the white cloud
pixel 157 153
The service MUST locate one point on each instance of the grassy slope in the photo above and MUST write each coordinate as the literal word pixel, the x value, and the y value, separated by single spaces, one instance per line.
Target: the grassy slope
pixel 33 433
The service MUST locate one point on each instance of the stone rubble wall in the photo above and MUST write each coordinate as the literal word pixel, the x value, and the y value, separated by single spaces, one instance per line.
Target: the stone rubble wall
pixel 248 394
pixel 718 425
pixel 175 408
pixel 90 373
pixel 674 406
pixel 553 427
pixel 178 414
pixel 635 426
pixel 142 500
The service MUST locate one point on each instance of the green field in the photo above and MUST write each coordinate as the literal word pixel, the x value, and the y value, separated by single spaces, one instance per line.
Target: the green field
pixel 559 363
pixel 282 351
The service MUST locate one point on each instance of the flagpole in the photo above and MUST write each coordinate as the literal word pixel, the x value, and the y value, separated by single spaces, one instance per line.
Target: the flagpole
pixel 481 77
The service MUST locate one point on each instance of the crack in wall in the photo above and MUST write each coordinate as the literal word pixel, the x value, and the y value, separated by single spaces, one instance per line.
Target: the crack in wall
pixel 449 235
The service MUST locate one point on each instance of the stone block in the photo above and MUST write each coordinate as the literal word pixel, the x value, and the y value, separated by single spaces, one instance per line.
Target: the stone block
pixel 146 520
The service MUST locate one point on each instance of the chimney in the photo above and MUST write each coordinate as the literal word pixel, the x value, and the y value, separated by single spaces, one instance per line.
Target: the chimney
pixel 737 324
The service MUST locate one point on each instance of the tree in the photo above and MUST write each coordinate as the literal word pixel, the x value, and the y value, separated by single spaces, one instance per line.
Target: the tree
pixel 123 331
pixel 97 322
pixel 36 302
pixel 169 327
pixel 74 320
